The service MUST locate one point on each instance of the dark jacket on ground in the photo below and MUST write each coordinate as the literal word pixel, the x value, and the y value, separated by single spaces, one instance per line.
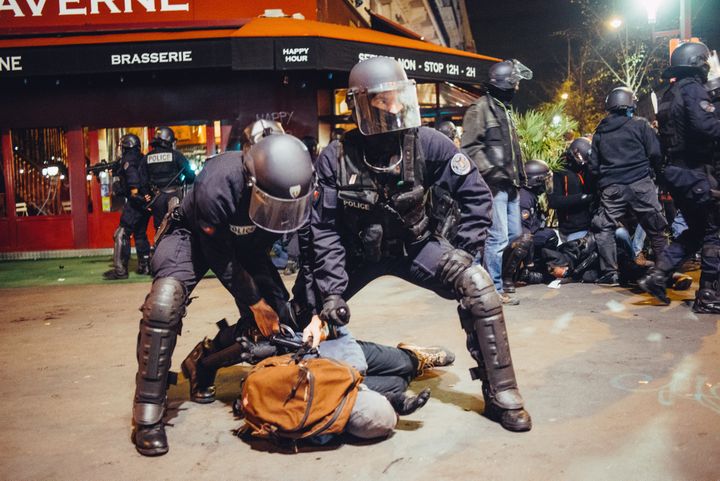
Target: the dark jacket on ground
pixel 490 140
pixel 571 198
pixel 624 150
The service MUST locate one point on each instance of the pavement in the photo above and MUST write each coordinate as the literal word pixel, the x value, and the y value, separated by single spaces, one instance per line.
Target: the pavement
pixel 619 388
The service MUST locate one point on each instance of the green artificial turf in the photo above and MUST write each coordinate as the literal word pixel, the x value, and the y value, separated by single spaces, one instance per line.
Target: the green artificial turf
pixel 58 272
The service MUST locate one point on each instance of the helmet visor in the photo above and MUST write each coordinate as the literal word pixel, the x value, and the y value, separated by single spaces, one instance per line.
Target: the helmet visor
pixel 279 215
pixel 544 183
pixel 714 62
pixel 520 72
pixel 388 107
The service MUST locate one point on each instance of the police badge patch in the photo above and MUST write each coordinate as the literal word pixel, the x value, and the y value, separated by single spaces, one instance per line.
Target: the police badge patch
pixel 460 164
pixel 707 106
pixel 294 191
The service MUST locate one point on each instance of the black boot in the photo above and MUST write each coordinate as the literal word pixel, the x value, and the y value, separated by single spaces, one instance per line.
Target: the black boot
pixel 404 405
pixel 707 298
pixel 114 275
pixel 516 420
pixel 201 379
pixel 150 440
pixel 654 284
pixel 143 267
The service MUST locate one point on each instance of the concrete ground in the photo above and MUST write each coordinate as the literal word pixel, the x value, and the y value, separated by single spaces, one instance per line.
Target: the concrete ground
pixel 618 388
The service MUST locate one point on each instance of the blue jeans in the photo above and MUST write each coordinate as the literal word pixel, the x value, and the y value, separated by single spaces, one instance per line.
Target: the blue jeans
pixel 505 227
pixel 638 240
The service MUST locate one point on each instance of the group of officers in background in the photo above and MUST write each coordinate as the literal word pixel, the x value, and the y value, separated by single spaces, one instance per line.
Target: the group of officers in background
pixel 395 198
pixel 609 187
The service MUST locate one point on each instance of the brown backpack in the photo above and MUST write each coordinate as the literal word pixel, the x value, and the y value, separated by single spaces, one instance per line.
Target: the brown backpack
pixel 291 398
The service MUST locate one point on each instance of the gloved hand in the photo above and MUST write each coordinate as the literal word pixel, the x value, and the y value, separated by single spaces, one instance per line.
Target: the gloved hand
pixel 265 318
pixel 452 263
pixel 335 311
pixel 316 332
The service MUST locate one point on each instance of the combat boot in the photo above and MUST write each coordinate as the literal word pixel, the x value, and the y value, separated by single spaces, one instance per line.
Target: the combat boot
pixel 680 282
pixel 516 420
pixel 143 267
pixel 150 440
pixel 428 357
pixel 114 274
pixel 707 301
pixel 200 378
pixel 654 284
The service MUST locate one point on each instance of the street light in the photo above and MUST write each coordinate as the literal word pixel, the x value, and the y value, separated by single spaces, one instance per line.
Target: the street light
pixel 564 96
pixel 615 23
pixel 651 7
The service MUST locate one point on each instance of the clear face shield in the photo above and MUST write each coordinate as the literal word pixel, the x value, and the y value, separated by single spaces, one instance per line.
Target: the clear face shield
pixel 388 107
pixel 580 158
pixel 714 73
pixel 541 183
pixel 520 72
pixel 280 215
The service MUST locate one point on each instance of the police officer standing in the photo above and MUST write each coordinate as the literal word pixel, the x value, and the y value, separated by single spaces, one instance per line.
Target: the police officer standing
pixel 167 170
pixel 370 220
pixel 689 128
pixel 134 218
pixel 490 139
pixel 237 208
pixel 625 151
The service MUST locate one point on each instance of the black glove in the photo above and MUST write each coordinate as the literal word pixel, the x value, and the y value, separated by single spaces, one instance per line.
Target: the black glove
pixel 335 311
pixel 452 263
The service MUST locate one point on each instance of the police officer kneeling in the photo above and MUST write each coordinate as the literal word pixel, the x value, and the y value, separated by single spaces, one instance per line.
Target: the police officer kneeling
pixel 689 129
pixel 371 220
pixel 237 201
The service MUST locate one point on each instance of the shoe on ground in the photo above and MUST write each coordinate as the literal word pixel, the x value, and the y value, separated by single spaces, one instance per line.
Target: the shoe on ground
pixel 681 282
pixel 404 404
pixel 707 301
pixel 654 284
pixel 111 275
pixel 509 301
pixel 611 279
pixel 429 357
pixel 150 440
pixel 515 420
pixel 509 287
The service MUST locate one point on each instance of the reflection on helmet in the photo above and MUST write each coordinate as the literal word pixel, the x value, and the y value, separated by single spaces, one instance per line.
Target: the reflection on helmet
pixel 261 128
pixel 579 150
pixel 280 171
pixel 382 97
pixel 164 137
pixel 539 177
pixel 128 142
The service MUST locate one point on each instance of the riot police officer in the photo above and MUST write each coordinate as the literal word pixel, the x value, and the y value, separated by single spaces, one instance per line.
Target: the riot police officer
pixel 625 152
pixel 134 218
pixel 237 208
pixel 689 128
pixel 535 236
pixel 167 170
pixel 491 141
pixel 370 220
pixel 448 128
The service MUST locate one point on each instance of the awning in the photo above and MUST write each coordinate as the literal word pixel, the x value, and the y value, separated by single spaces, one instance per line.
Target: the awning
pixel 288 44
pixel 261 44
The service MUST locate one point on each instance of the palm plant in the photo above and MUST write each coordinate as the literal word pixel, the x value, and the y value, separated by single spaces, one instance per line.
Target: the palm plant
pixel 544 133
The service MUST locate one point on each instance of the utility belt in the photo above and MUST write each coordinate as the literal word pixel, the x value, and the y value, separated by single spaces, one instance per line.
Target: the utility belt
pixel 172 220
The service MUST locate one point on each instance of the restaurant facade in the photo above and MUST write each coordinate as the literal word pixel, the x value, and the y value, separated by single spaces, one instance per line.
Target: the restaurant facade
pixel 75 75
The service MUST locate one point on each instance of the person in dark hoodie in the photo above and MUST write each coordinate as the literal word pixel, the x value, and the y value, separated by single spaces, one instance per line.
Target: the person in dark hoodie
pixel 572 192
pixel 625 152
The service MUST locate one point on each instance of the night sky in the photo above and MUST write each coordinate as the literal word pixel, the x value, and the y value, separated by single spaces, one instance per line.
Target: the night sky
pixel 523 29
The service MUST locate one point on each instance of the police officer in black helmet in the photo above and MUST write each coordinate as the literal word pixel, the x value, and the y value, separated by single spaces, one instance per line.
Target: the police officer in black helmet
pixel 371 220
pixel 689 129
pixel 168 171
pixel 226 224
pixel 625 152
pixel 134 218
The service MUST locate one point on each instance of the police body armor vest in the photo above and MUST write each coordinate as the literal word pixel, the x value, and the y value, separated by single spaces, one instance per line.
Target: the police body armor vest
pixel 382 211
pixel 162 168
pixel 671 121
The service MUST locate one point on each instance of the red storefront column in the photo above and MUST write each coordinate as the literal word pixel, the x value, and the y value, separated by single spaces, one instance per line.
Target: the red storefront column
pixel 78 187
pixel 210 139
pixel 8 238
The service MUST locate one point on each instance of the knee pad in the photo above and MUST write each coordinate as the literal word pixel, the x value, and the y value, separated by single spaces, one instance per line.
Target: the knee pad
pixel 477 293
pixel 164 307
pixel 121 233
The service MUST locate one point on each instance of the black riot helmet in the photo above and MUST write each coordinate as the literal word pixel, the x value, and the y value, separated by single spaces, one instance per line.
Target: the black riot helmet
pixel 539 177
pixel 128 142
pixel 620 98
pixel 280 173
pixel 689 59
pixel 164 137
pixel 448 128
pixel 506 75
pixel 260 128
pixel 381 97
pixel 578 151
